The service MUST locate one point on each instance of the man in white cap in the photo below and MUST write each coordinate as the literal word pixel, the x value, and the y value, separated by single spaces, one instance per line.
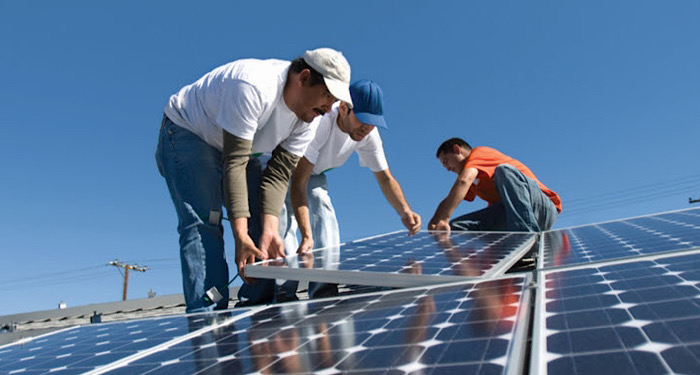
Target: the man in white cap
pixel 212 128
pixel 341 132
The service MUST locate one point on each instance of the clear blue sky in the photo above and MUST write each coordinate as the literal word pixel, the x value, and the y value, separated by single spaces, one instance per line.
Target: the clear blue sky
pixel 601 99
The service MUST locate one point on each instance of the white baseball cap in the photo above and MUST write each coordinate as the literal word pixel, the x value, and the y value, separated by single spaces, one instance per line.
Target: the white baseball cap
pixel 335 70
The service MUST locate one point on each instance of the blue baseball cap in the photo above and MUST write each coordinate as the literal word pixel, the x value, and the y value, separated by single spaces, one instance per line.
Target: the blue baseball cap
pixel 368 102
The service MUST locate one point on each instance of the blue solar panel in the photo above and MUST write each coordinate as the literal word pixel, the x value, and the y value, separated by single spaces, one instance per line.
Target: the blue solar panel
pixel 85 348
pixel 618 298
pixel 389 260
pixel 620 239
pixel 461 328
pixel 633 317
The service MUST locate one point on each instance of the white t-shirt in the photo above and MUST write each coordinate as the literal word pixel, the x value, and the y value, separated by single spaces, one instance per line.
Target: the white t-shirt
pixel 331 148
pixel 244 98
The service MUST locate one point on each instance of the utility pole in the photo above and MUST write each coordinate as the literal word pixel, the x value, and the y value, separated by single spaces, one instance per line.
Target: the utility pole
pixel 127 267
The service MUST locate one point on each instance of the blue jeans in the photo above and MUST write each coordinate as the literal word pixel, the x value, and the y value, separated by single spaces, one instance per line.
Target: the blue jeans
pixel 262 291
pixel 324 225
pixel 192 171
pixel 326 235
pixel 523 206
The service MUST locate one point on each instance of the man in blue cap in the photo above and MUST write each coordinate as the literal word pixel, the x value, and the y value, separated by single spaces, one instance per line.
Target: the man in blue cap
pixel 340 132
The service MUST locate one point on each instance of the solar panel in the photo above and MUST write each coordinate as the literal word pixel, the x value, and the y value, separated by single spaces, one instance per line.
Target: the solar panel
pixel 390 260
pixel 458 328
pixel 618 297
pixel 635 316
pixel 633 237
pixel 85 348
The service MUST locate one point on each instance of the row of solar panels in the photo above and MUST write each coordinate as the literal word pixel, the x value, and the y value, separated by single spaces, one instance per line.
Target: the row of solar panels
pixel 612 298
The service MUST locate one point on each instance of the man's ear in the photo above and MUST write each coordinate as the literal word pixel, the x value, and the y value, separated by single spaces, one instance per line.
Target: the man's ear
pixel 457 149
pixel 304 77
pixel 344 109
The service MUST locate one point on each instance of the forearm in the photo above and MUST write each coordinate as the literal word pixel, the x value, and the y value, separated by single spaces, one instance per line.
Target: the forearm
pixel 393 194
pixel 275 181
pixel 446 208
pixel 239 227
pixel 441 217
pixel 303 216
pixel 235 155
pixel 271 223
pixel 300 198
pixel 459 190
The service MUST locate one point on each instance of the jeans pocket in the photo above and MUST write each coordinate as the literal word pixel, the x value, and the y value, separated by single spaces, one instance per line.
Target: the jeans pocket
pixel 171 128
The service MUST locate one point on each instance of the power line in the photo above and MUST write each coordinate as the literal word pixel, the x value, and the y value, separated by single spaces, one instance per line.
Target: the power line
pixel 648 192
pixel 31 283
pixel 623 201
pixel 661 189
pixel 77 275
pixel 53 274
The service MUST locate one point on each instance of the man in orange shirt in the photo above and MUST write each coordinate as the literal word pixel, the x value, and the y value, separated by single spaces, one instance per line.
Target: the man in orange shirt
pixel 517 200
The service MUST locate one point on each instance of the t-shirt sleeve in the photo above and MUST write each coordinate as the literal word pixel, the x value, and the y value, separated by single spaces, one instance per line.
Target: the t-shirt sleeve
pixel 371 152
pixel 240 110
pixel 320 139
pixel 302 134
pixel 485 160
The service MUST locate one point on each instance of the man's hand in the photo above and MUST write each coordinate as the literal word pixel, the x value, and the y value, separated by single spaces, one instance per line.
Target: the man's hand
pixel 439 224
pixel 306 245
pixel 246 252
pixel 441 218
pixel 306 260
pixel 271 244
pixel 270 241
pixel 411 221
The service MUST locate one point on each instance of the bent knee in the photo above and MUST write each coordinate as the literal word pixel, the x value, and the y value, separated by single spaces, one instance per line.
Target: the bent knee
pixel 503 170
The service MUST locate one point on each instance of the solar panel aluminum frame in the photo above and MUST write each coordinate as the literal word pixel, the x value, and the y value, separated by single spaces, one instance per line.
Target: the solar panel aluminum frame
pixel 541 250
pixel 518 347
pixel 368 278
pixel 539 328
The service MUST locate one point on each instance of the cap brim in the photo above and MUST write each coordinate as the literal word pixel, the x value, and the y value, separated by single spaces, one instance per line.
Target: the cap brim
pixel 370 119
pixel 339 89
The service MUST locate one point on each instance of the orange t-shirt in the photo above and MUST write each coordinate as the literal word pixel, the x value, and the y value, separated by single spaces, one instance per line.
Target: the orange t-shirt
pixel 485 160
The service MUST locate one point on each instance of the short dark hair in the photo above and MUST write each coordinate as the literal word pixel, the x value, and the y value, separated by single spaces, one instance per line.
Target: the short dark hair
pixel 299 64
pixel 446 147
